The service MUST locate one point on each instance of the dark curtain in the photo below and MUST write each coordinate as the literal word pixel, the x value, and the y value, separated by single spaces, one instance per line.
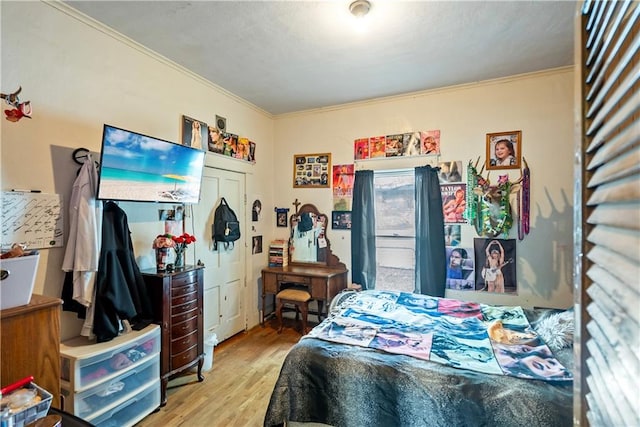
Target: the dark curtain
pixel 363 231
pixel 431 267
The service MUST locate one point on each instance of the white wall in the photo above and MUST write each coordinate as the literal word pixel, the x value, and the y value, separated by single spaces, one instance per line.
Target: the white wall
pixel 77 78
pixel 79 75
pixel 540 105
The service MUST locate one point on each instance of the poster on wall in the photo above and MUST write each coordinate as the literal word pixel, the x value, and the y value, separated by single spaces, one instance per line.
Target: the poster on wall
pixel 460 269
pixel 361 149
pixel 311 170
pixel 343 178
pixel 194 133
pixel 452 234
pixel 450 171
pixel 454 202
pixel 495 265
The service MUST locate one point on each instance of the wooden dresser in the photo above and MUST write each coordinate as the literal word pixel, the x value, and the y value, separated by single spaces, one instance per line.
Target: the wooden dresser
pixel 30 344
pixel 177 307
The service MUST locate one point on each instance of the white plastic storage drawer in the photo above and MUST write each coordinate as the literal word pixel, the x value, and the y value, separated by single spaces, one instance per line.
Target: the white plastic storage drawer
pixel 84 365
pixel 111 393
pixel 133 410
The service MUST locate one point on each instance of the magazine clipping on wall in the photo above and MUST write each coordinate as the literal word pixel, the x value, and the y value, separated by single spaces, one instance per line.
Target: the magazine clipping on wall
pixel 452 234
pixel 343 177
pixel 394 145
pixel 450 171
pixel 430 142
pixel 454 202
pixel 361 149
pixel 194 133
pixel 460 269
pixel 495 261
pixel 377 146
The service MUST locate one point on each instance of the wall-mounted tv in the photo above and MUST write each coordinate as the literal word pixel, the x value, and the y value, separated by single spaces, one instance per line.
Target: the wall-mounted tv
pixel 140 168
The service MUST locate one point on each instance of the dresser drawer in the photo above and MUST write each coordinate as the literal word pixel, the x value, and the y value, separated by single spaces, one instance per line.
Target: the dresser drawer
pixel 184 328
pixel 183 290
pixel 184 279
pixel 294 279
pixel 183 308
pixel 181 359
pixel 184 343
pixel 179 318
pixel 179 300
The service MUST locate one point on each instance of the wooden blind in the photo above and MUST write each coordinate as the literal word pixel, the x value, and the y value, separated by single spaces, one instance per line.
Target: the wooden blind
pixel 607 294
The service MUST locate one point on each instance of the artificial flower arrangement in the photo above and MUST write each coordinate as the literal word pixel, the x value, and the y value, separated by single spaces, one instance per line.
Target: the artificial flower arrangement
pixel 163 241
pixel 182 241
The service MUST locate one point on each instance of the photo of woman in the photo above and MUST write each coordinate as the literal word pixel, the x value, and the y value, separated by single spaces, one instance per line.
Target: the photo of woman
pixel 495 261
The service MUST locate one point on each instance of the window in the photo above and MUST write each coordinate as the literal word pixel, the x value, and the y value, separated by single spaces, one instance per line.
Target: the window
pixel 395 229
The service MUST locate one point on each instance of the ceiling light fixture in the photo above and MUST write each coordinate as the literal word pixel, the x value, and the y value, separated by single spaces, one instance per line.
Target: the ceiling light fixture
pixel 359 8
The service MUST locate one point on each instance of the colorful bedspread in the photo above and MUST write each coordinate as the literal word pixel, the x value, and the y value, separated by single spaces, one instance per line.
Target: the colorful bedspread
pixel 483 338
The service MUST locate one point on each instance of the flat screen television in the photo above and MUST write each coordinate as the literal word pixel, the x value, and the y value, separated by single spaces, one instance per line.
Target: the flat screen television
pixel 140 168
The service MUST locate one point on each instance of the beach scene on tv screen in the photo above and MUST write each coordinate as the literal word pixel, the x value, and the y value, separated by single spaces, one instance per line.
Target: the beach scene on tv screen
pixel 141 168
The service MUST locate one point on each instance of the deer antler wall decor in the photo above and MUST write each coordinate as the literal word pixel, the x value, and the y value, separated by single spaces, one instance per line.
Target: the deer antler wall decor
pixel 492 210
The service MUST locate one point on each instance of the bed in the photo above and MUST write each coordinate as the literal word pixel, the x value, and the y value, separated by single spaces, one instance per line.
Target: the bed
pixel 396 359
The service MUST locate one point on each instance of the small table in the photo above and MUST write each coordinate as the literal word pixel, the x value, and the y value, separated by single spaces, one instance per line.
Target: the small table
pixel 323 282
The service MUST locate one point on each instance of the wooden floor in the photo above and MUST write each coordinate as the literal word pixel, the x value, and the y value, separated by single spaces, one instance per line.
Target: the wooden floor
pixel 236 391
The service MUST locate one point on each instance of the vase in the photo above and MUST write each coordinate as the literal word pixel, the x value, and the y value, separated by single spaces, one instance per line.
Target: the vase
pixel 162 257
pixel 179 261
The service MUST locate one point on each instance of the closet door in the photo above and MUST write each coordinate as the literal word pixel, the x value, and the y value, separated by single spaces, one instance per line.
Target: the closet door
pixel 608 215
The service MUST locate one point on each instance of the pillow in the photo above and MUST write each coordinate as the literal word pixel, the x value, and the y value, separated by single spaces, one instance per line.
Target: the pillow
pixel 556 330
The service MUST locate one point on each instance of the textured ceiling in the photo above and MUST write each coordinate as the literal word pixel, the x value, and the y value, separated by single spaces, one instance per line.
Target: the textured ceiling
pixel 287 56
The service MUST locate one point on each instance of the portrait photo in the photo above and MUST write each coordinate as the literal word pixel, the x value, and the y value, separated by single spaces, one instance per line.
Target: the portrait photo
pixel 504 150
pixel 460 269
pixel 281 217
pixel 255 210
pixel 195 133
pixel 256 247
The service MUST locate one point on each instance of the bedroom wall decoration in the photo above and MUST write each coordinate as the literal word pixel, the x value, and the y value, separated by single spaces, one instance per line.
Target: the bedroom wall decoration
pixel 311 170
pixel 342 178
pixel 504 149
pixel 493 209
pixel 20 109
pixel 454 202
pixel 460 269
pixel 200 135
pixel 495 261
pixel 281 217
pixel 419 143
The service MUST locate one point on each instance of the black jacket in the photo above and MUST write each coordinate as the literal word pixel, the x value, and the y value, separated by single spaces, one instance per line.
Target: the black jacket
pixel 120 288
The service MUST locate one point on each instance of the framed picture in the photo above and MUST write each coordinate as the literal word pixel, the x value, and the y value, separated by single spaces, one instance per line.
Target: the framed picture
pixel 341 220
pixel 504 150
pixel 256 247
pixel 195 133
pixel 281 217
pixel 311 170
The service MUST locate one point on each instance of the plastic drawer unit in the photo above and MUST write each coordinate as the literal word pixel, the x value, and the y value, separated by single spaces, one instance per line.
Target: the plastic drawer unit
pixel 131 411
pixel 100 378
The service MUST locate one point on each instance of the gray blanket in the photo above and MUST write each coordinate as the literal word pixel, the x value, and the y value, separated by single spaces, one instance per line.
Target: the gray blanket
pixel 350 386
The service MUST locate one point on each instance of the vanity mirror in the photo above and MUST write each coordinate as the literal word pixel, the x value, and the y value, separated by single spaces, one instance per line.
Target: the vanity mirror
pixel 308 241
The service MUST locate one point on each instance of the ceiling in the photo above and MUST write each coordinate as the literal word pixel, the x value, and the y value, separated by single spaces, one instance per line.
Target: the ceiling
pixel 288 56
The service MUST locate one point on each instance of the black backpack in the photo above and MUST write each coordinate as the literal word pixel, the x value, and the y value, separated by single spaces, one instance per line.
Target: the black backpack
pixel 226 227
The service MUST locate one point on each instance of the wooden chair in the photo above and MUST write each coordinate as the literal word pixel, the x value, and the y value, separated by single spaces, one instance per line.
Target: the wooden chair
pixel 297 297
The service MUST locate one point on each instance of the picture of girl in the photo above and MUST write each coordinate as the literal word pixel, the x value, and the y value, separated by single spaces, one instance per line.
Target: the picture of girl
pixel 505 154
pixel 504 150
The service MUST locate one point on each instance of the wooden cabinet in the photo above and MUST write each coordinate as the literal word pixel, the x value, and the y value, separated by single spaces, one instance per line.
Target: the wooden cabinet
pixel 177 307
pixel 30 344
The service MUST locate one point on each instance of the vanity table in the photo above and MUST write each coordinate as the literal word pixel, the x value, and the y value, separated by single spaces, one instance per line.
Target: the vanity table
pixel 319 270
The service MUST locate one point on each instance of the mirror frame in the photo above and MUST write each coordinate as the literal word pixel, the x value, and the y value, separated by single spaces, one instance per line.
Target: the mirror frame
pixel 325 258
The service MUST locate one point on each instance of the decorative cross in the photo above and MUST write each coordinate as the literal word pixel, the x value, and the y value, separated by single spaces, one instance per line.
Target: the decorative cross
pixel 296 203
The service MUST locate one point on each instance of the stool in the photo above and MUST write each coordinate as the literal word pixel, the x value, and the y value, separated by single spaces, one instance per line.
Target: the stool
pixel 300 299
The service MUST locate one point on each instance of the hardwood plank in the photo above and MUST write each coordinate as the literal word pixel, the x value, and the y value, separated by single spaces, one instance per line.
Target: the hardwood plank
pixel 236 391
